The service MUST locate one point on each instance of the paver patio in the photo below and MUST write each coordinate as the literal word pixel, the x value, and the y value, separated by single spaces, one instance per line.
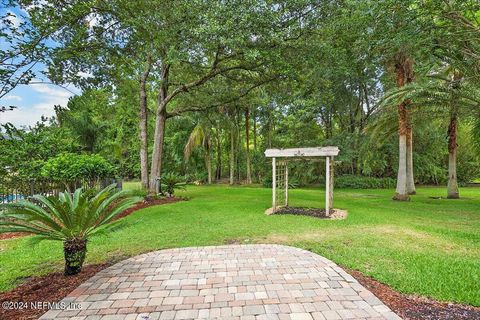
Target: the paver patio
pixel 223 282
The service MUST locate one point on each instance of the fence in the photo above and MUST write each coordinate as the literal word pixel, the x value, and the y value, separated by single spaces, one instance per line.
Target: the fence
pixel 12 191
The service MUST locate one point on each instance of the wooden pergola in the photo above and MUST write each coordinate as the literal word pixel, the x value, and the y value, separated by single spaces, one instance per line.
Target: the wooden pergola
pixel 284 155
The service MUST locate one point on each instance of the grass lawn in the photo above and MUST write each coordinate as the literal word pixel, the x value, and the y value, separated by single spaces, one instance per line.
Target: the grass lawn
pixel 429 247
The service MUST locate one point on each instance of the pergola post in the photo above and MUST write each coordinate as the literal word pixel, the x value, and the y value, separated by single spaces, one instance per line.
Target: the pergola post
pixel 332 173
pixel 274 183
pixel 284 154
pixel 286 183
pixel 327 185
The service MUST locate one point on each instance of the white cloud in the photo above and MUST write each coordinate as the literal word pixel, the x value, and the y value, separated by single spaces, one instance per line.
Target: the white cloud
pixel 48 97
pixel 13 97
pixel 50 90
pixel 19 117
pixel 52 96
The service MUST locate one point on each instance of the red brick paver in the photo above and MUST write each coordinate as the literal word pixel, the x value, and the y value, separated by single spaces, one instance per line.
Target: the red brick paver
pixel 225 282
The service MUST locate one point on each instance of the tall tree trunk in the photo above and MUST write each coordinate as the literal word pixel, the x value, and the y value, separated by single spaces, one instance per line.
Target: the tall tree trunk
pixel 218 171
pixel 452 187
pixel 452 158
pixel 410 177
pixel 143 126
pixel 247 139
pixel 254 130
pixel 159 135
pixel 408 69
pixel 208 163
pixel 401 190
pixel 270 130
pixel 232 155
pixel 238 146
pixel 402 68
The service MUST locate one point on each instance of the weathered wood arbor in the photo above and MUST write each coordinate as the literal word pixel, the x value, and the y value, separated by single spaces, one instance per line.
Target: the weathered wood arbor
pixel 280 172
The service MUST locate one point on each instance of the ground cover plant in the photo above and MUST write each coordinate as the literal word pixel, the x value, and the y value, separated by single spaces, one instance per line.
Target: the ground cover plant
pixel 427 247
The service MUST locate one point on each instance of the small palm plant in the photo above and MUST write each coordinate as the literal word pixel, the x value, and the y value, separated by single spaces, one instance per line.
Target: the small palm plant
pixel 172 181
pixel 71 218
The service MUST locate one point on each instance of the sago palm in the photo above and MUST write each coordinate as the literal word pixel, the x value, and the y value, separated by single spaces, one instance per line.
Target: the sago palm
pixel 70 218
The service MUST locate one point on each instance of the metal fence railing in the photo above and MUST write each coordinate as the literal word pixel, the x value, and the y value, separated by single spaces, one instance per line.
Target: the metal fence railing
pixel 11 191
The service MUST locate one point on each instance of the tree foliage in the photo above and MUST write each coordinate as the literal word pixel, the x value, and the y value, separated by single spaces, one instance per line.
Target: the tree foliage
pixel 220 82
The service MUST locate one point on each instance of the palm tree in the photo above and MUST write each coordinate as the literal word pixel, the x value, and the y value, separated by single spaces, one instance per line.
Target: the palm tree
pixel 70 218
pixel 447 93
pixel 201 137
pixel 405 185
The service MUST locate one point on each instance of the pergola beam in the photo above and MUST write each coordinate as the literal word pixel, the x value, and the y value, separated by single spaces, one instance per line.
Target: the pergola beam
pixel 302 152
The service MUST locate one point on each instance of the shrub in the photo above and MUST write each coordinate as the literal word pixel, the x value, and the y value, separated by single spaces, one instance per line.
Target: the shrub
pixel 170 182
pixel 69 167
pixel 361 182
pixel 267 181
pixel 197 178
pixel 71 218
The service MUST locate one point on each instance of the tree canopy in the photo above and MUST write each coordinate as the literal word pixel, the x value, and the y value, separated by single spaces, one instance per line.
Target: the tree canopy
pixel 201 88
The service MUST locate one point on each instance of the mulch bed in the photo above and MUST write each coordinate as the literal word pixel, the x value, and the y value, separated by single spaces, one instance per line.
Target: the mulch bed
pixel 416 308
pixel 52 287
pixel 313 212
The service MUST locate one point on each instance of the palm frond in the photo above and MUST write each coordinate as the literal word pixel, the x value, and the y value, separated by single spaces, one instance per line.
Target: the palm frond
pixel 70 216
pixel 199 137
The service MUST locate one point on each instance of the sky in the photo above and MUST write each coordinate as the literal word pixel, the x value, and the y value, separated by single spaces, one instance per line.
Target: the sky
pixel 36 99
pixel 33 101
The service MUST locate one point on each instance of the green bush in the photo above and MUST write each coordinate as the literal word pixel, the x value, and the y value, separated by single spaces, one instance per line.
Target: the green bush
pixel 361 182
pixel 68 167
pixel 170 182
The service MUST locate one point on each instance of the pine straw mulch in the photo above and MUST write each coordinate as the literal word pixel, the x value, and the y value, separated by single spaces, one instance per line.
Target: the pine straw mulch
pixel 416 308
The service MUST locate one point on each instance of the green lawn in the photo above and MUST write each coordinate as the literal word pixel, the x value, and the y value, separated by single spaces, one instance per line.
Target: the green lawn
pixel 427 246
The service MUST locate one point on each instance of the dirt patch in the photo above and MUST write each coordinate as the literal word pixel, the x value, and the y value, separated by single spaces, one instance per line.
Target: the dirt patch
pixel 416 308
pixel 49 288
pixel 312 212
pixel 143 204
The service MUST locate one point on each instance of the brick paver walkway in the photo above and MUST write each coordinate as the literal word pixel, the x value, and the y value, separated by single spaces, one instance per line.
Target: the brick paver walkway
pixel 224 282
